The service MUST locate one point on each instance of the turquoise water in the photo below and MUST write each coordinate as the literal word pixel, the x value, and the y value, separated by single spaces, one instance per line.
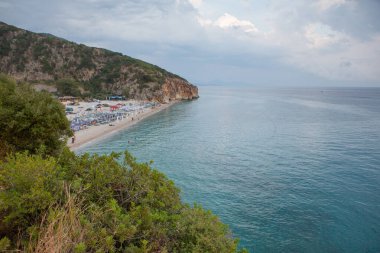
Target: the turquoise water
pixel 290 170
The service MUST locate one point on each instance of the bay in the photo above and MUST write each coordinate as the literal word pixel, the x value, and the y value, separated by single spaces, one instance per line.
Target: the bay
pixel 289 170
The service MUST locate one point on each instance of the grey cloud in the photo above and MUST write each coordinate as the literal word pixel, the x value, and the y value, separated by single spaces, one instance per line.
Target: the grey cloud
pixel 359 18
pixel 345 64
pixel 167 33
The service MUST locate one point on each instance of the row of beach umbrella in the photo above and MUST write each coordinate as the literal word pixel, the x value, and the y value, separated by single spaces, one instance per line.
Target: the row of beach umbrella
pixel 86 119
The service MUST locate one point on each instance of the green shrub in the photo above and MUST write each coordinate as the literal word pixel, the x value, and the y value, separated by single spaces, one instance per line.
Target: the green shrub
pixel 5 243
pixel 30 120
pixel 47 66
pixel 101 204
pixel 39 49
pixel 29 187
pixel 80 248
pixel 68 87
pixel 5 47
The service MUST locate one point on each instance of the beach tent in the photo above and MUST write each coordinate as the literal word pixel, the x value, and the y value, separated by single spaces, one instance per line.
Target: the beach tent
pixel 114 107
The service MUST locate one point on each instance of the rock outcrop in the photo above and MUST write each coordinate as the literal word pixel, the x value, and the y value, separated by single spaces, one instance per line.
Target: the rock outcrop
pixel 78 70
pixel 177 89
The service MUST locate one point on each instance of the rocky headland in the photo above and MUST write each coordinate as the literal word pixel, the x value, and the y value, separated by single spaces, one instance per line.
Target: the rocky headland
pixel 78 70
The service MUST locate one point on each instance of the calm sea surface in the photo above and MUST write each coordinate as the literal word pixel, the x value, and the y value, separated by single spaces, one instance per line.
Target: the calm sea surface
pixel 290 170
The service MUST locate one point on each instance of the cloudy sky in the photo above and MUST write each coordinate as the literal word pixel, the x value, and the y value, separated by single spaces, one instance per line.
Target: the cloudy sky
pixel 236 42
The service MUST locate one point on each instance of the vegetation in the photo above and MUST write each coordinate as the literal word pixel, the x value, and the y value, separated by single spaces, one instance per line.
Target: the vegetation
pixel 30 120
pixel 95 204
pixel 52 200
pixel 67 87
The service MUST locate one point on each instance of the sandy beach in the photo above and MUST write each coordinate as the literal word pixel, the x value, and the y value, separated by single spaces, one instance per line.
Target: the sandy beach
pixel 95 133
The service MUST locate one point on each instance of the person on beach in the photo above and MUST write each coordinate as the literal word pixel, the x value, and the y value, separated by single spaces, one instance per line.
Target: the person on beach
pixel 73 139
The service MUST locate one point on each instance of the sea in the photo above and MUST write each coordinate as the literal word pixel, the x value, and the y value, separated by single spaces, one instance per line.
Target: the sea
pixel 288 169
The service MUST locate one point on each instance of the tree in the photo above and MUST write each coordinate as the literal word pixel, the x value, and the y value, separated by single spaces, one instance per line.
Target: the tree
pixel 30 121
pixel 67 87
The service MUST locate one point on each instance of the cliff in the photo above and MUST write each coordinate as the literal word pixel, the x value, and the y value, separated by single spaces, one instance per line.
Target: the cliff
pixel 178 89
pixel 78 70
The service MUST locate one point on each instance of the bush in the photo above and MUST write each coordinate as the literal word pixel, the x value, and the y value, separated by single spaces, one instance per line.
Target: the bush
pixel 5 48
pixel 30 120
pixel 29 186
pixel 39 49
pixel 99 204
pixel 68 87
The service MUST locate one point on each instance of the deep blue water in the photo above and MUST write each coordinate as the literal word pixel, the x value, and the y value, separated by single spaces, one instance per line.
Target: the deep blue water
pixel 290 170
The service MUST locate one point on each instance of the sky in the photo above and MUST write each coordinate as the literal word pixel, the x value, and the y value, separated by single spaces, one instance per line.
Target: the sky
pixel 224 42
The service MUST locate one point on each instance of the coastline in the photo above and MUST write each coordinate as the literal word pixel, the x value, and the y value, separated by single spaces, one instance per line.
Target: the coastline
pixel 93 134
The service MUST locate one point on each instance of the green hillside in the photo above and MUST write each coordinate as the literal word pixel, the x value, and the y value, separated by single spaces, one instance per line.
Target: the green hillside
pixel 78 70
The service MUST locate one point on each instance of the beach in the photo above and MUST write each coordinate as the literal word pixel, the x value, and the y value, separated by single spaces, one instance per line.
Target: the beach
pixel 91 134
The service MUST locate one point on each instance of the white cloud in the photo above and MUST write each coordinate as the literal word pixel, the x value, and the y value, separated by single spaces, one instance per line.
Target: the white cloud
pixel 320 35
pixel 204 22
pixel 196 3
pixel 227 21
pixel 316 48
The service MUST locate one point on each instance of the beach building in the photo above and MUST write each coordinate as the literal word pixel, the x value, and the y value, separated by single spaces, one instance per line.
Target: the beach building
pixel 116 97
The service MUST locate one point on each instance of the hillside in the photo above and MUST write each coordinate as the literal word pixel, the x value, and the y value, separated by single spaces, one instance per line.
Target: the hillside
pixel 79 70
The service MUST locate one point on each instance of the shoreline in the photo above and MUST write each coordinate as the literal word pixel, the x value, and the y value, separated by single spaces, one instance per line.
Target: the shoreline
pixel 95 133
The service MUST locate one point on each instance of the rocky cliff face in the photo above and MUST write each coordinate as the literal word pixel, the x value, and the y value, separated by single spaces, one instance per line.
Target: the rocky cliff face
pixel 79 70
pixel 177 89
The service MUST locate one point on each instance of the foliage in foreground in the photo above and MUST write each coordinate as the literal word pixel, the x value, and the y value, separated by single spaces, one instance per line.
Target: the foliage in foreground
pixel 52 200
pixel 30 120
pixel 99 204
